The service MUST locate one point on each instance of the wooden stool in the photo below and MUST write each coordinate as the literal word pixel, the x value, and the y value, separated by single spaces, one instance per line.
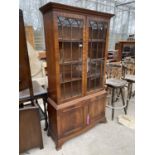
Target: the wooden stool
pixel 130 79
pixel 129 71
pixel 114 81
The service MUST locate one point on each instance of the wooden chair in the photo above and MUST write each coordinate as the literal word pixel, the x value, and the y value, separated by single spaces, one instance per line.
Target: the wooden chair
pixel 116 84
pixel 129 75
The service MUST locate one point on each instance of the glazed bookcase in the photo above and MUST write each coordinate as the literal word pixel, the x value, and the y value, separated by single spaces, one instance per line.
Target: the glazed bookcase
pixel 76 44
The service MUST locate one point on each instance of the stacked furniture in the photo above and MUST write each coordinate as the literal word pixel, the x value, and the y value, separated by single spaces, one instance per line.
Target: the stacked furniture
pixel 76 44
pixel 129 76
pixel 125 49
pixel 112 55
pixel 29 121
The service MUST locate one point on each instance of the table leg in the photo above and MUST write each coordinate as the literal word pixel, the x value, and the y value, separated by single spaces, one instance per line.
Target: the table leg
pixel 45 111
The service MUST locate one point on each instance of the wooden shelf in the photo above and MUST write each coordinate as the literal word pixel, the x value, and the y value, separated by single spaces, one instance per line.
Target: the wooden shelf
pixel 71 62
pixel 97 75
pixel 96 40
pixel 70 40
pixel 97 59
pixel 71 80
pixel 68 95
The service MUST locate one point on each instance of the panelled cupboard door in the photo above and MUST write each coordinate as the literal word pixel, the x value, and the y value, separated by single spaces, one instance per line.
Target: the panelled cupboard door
pixel 97 33
pixel 72 119
pixel 71 29
pixel 96 109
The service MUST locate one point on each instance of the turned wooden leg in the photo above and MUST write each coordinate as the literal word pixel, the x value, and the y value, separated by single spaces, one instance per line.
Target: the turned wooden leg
pixel 125 110
pixel 130 91
pixel 45 113
pixel 128 95
pixel 48 133
pixel 112 103
pixel 21 105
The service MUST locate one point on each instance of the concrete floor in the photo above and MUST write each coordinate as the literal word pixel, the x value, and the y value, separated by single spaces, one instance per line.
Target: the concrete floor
pixel 104 139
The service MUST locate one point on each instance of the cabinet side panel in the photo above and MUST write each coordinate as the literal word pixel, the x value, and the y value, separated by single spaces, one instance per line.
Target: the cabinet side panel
pixel 51 62
pixel 52 113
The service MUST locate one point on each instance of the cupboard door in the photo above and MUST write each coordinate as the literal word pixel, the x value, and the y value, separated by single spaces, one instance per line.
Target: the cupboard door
pixel 72 119
pixel 70 38
pixel 96 109
pixel 96 53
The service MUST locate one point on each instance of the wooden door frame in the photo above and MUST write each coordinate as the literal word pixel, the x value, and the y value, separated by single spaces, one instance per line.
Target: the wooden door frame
pixel 57 55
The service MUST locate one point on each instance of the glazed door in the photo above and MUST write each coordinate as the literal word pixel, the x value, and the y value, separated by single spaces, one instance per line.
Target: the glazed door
pixel 70 40
pixel 97 32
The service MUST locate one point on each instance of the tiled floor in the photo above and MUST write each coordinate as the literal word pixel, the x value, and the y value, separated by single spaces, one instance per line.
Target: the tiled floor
pixel 104 139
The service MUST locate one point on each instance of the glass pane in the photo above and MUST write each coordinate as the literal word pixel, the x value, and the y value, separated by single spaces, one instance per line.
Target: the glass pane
pixel 96 54
pixel 70 47
pixel 95 75
pixel 96 50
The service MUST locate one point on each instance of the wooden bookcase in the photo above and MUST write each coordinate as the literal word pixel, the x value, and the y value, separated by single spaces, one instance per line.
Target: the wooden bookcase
pixel 125 49
pixel 76 44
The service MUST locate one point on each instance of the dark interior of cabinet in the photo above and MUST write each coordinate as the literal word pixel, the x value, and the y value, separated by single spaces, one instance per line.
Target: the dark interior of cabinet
pixel 128 51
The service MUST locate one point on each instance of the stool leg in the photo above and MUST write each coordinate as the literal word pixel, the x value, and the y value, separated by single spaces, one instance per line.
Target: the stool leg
pixel 117 94
pixel 128 96
pixel 125 110
pixel 130 90
pixel 32 102
pixel 45 112
pixel 112 103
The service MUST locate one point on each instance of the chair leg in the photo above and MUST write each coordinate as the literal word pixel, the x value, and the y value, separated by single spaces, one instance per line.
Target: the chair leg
pixel 32 102
pixel 21 105
pixel 117 94
pixel 36 101
pixel 130 90
pixel 128 96
pixel 125 110
pixel 112 103
pixel 45 112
